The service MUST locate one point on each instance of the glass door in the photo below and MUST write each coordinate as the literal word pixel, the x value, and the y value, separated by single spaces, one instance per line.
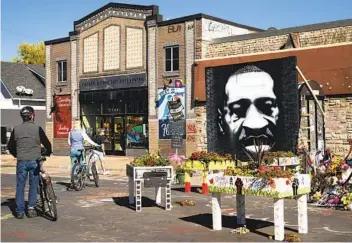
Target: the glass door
pixel 106 124
pixel 119 141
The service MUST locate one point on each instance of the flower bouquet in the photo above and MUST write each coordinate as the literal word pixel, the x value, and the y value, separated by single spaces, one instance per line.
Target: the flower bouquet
pixel 150 160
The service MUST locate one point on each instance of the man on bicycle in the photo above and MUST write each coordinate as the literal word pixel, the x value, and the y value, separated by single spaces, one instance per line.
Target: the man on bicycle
pixel 76 139
pixel 25 145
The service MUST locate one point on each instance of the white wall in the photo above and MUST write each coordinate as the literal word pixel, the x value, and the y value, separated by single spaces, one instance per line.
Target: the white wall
pixel 212 29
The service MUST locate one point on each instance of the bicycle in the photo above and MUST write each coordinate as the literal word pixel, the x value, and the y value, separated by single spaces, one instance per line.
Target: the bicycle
pixel 48 199
pixel 81 171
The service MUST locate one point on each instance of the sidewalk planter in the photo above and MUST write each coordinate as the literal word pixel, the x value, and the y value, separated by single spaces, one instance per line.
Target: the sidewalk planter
pixel 150 176
pixel 277 188
pixel 197 165
pixel 285 161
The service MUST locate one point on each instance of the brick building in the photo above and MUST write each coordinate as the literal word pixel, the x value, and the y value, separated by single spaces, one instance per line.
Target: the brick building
pixel 141 78
pixel 112 69
pixel 324 55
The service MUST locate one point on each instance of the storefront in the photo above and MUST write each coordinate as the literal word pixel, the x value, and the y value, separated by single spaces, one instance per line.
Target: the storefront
pixel 119 105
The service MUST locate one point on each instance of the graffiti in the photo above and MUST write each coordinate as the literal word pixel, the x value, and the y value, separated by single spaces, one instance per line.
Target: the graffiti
pixel 191 128
pixel 249 108
pixel 191 26
pixel 213 29
pixel 173 28
pixel 191 138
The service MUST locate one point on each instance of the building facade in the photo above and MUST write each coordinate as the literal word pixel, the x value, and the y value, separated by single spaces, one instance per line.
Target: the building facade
pixel 142 78
pixel 119 69
pixel 323 53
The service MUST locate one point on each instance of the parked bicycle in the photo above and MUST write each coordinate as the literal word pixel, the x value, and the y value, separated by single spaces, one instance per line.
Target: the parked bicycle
pixel 47 198
pixel 81 172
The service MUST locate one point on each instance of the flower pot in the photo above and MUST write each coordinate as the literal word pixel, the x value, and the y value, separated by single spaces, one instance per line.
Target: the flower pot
pixel 181 178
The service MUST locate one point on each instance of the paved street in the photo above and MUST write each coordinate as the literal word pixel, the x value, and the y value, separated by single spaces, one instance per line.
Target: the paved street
pixel 103 214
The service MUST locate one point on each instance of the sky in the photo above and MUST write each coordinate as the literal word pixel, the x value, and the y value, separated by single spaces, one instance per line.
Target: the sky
pixel 32 21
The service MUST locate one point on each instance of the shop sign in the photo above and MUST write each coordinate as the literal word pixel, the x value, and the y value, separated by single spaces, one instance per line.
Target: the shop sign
pixel 114 82
pixel 62 117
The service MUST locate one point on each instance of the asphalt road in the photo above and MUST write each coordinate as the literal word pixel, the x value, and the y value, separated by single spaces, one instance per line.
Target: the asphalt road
pixel 103 214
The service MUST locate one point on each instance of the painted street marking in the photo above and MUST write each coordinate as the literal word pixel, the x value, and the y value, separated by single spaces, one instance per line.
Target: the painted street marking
pixel 7 216
pixel 335 231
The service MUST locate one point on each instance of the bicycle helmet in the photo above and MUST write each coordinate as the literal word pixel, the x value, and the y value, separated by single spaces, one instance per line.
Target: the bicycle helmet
pixel 27 113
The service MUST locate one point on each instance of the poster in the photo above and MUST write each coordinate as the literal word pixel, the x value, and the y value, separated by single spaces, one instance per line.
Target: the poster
pixel 62 116
pixel 252 107
pixel 171 103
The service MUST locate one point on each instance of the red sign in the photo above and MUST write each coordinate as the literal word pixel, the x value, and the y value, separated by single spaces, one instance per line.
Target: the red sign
pixel 62 116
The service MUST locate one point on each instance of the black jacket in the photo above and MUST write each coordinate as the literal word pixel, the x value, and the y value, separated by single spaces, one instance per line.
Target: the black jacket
pixel 25 141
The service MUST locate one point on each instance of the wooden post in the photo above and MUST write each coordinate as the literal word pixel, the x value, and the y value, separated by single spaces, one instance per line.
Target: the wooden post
pixel 241 209
pixel 310 89
pixel 279 219
pixel 302 214
pixel 216 211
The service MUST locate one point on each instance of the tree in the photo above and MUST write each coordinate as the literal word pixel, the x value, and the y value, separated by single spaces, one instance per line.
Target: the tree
pixel 30 53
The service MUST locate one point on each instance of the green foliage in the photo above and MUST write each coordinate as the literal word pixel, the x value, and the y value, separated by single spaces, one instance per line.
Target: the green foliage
pixel 150 160
pixel 347 199
pixel 30 53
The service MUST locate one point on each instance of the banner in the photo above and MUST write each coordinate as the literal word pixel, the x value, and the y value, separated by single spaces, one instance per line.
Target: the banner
pixel 62 116
pixel 171 103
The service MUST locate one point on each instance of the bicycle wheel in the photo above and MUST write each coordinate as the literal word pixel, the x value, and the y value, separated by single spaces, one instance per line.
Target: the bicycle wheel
pixel 51 200
pixel 40 197
pixel 76 177
pixel 95 174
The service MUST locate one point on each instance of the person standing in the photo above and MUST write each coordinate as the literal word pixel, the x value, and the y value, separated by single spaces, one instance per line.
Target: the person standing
pixel 100 151
pixel 25 145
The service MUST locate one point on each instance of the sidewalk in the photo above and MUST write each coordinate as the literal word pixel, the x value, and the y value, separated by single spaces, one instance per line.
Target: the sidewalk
pixel 62 164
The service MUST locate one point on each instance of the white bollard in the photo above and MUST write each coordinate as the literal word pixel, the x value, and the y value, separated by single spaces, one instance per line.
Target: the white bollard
pixel 158 195
pixel 302 214
pixel 241 209
pixel 216 211
pixel 131 190
pixel 279 219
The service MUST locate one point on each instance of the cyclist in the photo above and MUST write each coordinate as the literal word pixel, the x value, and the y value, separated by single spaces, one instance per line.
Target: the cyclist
pixel 25 145
pixel 76 139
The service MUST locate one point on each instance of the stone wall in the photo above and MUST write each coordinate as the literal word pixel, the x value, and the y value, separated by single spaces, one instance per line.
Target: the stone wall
pixel 338 124
pixel 273 43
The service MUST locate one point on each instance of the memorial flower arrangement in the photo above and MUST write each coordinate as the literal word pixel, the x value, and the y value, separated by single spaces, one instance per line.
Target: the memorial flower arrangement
pixel 211 156
pixel 272 157
pixel 347 201
pixel 150 160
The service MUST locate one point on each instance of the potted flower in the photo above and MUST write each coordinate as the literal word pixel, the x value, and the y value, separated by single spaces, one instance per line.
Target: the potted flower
pixel 180 175
pixel 347 201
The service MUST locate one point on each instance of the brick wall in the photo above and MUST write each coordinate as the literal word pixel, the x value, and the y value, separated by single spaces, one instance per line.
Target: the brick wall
pixel 167 38
pixel 338 124
pixel 99 28
pixel 338 110
pixel 61 51
pixel 273 43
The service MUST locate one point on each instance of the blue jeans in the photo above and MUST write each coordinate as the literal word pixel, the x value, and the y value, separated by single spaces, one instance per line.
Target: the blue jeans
pixel 22 170
pixel 76 155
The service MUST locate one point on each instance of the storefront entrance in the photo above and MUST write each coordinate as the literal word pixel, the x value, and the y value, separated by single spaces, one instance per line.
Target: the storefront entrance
pixel 123 116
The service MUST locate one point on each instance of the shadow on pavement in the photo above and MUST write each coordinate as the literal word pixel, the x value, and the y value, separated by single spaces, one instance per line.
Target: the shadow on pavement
pixel 124 202
pixel 11 203
pixel 195 189
pixel 230 222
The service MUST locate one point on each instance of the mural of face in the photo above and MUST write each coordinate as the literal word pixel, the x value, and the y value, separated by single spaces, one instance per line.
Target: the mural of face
pixel 250 108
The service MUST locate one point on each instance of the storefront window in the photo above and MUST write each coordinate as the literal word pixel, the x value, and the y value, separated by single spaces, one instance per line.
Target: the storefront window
pixel 136 132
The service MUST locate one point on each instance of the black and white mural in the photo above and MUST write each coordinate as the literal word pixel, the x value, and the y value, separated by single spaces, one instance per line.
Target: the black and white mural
pixel 252 106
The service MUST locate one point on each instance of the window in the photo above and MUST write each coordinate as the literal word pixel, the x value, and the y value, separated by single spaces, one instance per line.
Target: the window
pixel 62 71
pixel 171 58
